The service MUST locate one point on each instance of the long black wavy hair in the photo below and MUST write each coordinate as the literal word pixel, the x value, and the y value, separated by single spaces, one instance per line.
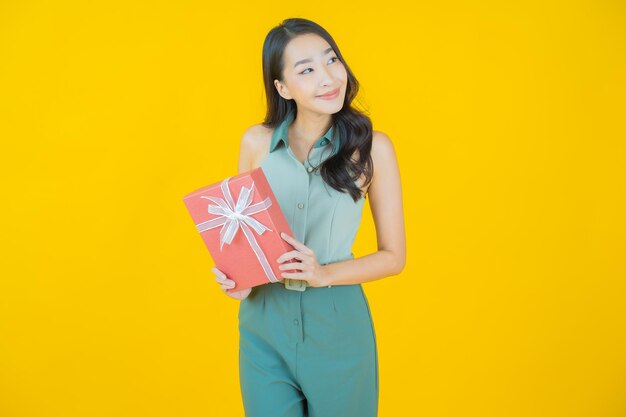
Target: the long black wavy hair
pixel 352 127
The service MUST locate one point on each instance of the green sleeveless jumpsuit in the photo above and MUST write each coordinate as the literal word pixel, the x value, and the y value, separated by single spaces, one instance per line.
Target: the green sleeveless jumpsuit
pixel 313 352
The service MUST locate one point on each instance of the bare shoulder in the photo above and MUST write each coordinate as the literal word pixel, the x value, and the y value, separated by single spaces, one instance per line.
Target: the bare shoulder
pixel 256 135
pixel 383 151
pixel 382 146
pixel 383 156
pixel 254 146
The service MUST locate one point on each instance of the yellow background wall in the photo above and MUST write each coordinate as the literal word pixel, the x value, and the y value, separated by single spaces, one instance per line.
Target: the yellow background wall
pixel 508 121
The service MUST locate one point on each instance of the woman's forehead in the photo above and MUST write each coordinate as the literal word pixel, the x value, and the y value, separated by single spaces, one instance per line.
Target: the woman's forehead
pixel 302 47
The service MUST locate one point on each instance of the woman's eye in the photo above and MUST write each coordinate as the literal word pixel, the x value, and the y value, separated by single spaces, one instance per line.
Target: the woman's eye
pixel 336 58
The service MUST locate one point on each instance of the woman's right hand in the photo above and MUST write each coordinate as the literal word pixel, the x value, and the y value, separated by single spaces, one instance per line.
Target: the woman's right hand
pixel 227 284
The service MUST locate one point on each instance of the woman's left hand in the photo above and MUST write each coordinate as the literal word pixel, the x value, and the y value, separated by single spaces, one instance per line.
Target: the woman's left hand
pixel 311 270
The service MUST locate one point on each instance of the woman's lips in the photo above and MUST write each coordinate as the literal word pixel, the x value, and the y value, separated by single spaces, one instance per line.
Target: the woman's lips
pixel 330 95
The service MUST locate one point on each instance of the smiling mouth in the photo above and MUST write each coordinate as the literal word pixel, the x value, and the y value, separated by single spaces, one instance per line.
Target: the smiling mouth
pixel 330 94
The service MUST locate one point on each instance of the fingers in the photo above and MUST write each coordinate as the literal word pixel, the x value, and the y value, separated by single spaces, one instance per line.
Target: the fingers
pixel 222 279
pixel 294 254
pixel 228 284
pixel 240 295
pixel 219 273
pixel 296 243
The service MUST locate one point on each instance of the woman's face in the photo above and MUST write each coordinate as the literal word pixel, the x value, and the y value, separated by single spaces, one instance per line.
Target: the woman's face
pixel 312 69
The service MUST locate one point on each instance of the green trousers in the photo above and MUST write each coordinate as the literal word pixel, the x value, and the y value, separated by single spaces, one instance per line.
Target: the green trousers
pixel 307 353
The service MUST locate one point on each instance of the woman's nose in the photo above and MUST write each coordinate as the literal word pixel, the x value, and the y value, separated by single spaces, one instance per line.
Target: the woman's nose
pixel 325 76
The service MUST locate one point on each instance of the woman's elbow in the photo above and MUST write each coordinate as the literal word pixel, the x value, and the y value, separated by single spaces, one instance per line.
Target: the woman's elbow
pixel 399 264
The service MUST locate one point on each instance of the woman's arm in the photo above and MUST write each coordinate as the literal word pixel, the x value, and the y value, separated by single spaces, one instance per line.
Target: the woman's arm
pixel 385 198
pixel 246 150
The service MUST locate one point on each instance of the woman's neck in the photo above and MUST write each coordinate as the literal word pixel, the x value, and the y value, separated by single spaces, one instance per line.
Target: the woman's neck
pixel 305 128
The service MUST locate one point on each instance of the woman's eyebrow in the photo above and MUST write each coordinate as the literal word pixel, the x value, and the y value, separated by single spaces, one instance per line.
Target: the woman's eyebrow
pixel 302 61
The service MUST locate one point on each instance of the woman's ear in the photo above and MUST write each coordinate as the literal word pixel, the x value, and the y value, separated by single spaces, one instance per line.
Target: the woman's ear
pixel 282 90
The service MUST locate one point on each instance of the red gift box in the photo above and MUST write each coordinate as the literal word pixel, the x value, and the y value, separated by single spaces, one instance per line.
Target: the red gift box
pixel 240 223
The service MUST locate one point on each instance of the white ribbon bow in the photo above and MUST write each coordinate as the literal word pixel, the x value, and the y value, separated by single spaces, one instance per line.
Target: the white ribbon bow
pixel 235 216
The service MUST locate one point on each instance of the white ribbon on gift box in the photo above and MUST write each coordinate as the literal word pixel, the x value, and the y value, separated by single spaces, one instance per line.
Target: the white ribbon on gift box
pixel 234 216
